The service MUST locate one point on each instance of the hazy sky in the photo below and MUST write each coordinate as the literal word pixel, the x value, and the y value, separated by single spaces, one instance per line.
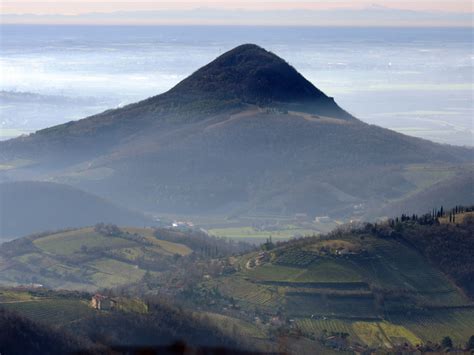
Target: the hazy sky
pixel 76 7
pixel 250 12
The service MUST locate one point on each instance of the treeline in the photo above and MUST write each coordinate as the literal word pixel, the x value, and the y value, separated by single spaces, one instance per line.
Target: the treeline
pixel 434 216
pixel 203 244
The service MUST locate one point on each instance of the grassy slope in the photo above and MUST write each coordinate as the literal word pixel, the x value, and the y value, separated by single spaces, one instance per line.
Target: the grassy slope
pixel 250 233
pixel 71 242
pixel 86 259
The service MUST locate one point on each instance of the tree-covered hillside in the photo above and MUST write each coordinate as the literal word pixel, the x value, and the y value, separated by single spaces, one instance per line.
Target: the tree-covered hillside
pixel 246 134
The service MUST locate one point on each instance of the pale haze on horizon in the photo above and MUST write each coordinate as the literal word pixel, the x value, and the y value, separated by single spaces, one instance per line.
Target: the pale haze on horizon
pixel 75 7
pixel 454 13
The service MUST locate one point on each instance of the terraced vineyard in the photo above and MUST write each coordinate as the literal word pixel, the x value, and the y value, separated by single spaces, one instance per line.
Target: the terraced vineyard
pixel 414 329
pixel 413 273
pixel 366 292
pixel 384 334
pixel 300 304
pixel 318 326
pixel 250 294
pixel 272 272
pixel 458 324
pixel 296 258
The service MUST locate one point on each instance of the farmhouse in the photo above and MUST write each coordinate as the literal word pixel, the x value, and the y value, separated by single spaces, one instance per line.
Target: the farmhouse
pixel 103 303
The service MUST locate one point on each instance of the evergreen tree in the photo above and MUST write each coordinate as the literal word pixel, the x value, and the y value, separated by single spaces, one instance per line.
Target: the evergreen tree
pixel 447 343
pixel 470 343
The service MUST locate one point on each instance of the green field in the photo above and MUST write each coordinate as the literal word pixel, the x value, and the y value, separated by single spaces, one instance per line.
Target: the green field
pixel 251 233
pixel 111 273
pixel 327 270
pixel 71 242
pixel 85 259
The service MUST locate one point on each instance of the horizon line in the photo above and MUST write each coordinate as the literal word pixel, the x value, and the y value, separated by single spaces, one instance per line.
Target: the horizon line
pixel 241 25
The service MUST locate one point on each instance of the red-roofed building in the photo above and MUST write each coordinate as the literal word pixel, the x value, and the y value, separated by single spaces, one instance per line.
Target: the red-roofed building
pixel 102 302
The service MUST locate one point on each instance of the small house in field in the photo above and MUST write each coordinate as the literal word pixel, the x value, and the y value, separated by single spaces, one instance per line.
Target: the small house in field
pixel 103 303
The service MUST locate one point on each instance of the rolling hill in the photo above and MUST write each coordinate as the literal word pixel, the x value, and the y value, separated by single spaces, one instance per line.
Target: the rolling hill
pixel 449 192
pixel 402 284
pixel 245 134
pixel 89 258
pixel 28 207
pixel 383 285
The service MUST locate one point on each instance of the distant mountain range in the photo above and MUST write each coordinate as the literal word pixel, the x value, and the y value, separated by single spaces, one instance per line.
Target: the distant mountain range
pixel 244 134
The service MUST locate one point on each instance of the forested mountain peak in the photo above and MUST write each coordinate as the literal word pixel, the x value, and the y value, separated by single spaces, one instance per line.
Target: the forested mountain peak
pixel 250 74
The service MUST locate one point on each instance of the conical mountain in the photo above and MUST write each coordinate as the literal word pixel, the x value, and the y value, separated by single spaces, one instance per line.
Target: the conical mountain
pixel 252 75
pixel 244 134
